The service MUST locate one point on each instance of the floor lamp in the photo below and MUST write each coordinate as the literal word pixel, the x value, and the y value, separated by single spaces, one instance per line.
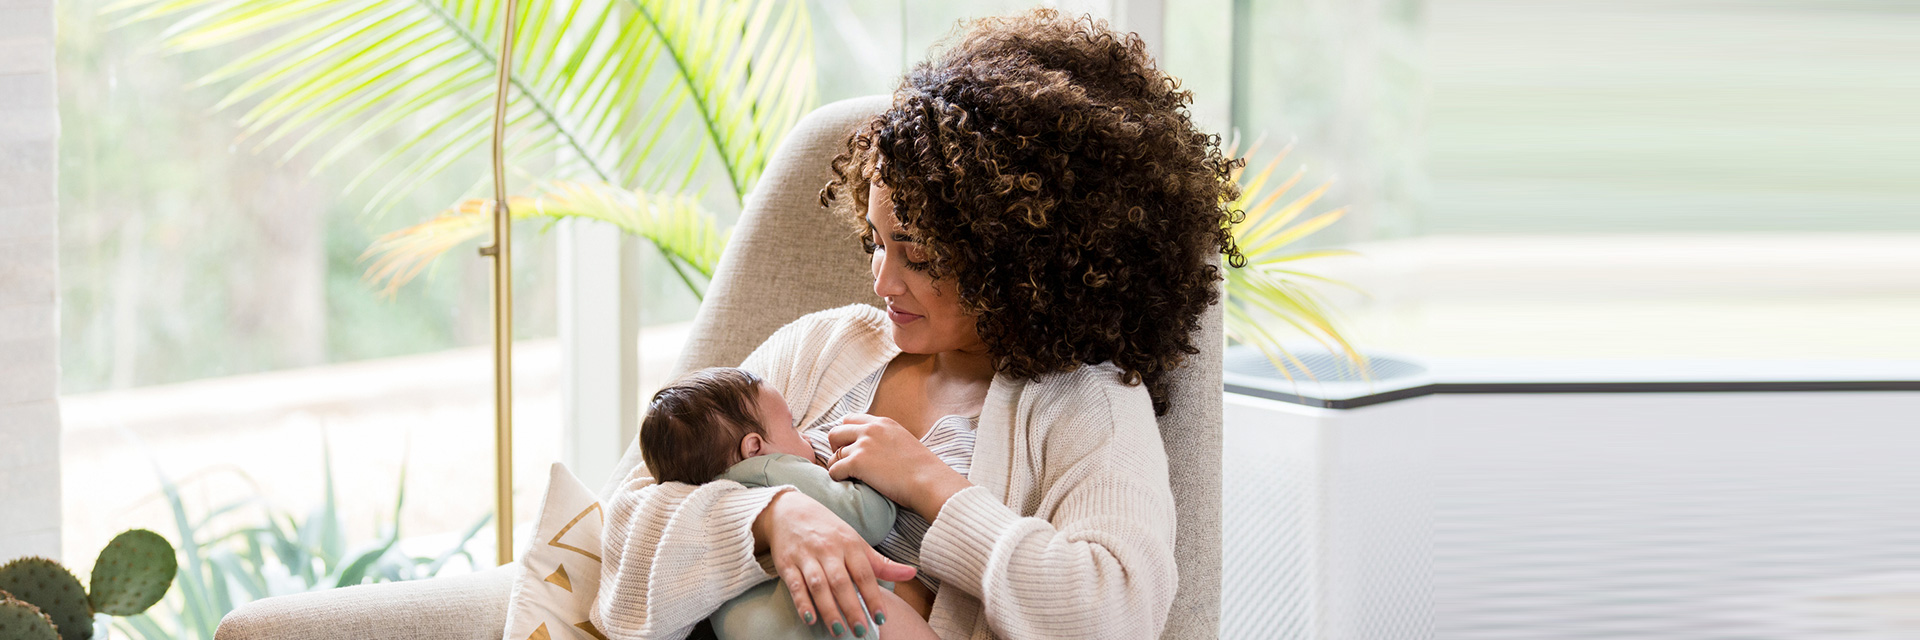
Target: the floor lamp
pixel 500 250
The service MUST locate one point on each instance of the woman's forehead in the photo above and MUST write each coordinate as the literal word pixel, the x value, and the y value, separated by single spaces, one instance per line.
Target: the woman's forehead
pixel 886 221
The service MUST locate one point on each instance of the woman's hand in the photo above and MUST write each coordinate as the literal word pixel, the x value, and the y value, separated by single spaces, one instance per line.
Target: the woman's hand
pixel 883 454
pixel 825 564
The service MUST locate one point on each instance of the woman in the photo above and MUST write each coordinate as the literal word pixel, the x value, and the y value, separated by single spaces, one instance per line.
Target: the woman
pixel 1042 217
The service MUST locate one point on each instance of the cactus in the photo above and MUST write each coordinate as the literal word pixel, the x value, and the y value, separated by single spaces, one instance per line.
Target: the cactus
pixel 20 620
pixel 54 591
pixel 133 572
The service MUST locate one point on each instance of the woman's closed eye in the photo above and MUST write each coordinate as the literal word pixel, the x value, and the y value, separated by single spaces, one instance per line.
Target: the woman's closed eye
pixel 914 254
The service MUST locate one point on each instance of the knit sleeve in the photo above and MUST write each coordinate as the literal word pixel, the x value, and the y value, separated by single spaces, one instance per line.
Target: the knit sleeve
pixel 674 552
pixel 1097 561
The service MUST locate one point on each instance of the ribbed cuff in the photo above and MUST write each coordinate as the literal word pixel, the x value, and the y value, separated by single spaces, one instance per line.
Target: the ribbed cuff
pixel 959 545
pixel 732 526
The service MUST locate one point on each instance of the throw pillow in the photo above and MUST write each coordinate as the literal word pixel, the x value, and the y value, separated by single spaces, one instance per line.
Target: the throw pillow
pixel 560 570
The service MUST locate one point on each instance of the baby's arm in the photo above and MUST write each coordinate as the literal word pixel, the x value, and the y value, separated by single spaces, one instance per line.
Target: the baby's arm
pixel 870 513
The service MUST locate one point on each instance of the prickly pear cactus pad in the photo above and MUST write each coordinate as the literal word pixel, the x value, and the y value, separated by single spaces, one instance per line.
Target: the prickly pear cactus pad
pixel 50 587
pixel 133 572
pixel 20 620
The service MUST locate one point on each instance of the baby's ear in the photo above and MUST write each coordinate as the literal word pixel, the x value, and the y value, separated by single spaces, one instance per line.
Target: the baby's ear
pixel 753 445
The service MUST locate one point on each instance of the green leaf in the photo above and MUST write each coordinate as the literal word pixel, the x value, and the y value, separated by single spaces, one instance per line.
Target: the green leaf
pixel 461 548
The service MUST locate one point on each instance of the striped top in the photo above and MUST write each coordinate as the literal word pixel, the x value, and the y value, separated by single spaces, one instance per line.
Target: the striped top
pixel 950 438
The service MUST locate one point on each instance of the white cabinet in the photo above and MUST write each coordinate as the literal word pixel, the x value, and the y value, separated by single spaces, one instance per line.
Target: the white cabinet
pixel 1471 508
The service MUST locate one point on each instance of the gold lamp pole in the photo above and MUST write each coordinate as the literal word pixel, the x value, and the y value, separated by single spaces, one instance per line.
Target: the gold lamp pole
pixel 501 252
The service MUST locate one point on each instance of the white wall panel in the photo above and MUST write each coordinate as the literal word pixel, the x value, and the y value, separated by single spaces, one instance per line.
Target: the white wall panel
pixel 29 354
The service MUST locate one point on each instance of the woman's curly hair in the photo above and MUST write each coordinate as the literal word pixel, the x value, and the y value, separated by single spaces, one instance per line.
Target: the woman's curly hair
pixel 1054 176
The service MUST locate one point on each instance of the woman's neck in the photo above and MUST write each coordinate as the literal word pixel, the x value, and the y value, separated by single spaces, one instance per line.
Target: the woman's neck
pixel 962 365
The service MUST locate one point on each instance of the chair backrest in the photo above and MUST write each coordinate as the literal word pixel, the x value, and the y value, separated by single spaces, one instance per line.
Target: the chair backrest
pixel 787 259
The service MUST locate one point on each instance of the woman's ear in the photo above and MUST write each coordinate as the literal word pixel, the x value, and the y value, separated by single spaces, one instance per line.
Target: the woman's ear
pixel 754 445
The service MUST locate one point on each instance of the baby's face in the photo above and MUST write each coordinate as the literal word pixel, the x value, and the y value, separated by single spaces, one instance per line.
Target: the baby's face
pixel 777 421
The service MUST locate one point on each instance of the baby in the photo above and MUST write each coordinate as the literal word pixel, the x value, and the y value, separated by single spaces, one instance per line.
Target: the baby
pixel 724 423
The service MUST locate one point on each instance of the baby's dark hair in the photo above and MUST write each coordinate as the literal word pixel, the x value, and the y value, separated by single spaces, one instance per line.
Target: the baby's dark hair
pixel 694 425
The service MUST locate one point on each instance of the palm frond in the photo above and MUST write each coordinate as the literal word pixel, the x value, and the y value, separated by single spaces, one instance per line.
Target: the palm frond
pixel 684 232
pixel 1270 290
pixel 748 69
pixel 604 80
pixel 635 93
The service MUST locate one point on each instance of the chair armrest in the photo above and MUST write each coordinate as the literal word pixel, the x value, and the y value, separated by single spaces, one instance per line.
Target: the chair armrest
pixel 471 606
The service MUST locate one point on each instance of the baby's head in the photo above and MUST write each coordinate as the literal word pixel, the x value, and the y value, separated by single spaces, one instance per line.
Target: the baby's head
pixel 710 419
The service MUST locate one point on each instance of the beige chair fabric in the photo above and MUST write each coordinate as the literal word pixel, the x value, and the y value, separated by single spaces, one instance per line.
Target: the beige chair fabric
pixel 786 259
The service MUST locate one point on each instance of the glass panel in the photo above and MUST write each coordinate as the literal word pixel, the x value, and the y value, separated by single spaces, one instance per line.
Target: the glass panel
pixel 1343 82
pixel 1199 52
pixel 216 323
pixel 857 46
pixel 1580 117
pixel 1619 180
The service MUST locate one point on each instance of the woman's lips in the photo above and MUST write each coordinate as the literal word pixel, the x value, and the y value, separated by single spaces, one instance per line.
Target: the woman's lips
pixel 901 317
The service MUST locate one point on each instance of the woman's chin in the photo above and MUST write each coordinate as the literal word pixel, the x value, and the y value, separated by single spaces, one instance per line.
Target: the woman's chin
pixel 910 341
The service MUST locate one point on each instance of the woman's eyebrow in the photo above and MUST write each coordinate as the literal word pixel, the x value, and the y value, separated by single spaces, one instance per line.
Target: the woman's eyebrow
pixel 897 237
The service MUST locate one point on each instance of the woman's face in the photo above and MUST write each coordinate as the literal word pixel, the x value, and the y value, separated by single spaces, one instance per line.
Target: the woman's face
pixel 926 313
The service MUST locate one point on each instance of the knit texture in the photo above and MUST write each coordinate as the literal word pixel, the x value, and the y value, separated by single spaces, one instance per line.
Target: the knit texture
pixel 1067 533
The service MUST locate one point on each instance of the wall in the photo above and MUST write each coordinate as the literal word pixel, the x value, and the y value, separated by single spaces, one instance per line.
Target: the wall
pixel 29 357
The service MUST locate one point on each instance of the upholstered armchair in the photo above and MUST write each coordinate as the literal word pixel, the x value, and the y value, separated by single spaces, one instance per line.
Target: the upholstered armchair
pixel 786 259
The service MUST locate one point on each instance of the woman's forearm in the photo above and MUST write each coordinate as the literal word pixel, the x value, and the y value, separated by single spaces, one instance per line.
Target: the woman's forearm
pixel 1090 573
pixel 935 489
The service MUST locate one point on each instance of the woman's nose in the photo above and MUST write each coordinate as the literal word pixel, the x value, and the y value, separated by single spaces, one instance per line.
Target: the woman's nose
pixel 886 277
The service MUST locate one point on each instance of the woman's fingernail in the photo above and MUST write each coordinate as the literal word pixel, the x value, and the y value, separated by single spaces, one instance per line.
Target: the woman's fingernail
pixel 859 631
pixel 808 616
pixel 839 630
pixel 879 618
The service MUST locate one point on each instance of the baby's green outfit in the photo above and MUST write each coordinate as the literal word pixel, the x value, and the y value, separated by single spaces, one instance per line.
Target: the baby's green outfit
pixel 766 610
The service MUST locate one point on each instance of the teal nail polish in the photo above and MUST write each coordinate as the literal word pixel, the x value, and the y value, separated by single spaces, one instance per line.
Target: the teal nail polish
pixel 839 630
pixel 879 618
pixel 859 631
pixel 809 616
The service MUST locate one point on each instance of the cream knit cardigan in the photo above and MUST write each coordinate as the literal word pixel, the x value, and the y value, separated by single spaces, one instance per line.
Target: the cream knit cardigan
pixel 1066 533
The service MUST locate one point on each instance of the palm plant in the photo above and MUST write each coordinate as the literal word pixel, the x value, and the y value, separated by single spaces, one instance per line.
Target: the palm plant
pixel 1272 290
pixel 631 97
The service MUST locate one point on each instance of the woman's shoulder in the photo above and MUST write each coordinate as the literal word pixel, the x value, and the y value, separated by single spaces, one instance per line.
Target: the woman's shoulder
pixel 1091 410
pixel 858 319
pixel 1105 376
pixel 823 332
pixel 1099 389
pixel 820 354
